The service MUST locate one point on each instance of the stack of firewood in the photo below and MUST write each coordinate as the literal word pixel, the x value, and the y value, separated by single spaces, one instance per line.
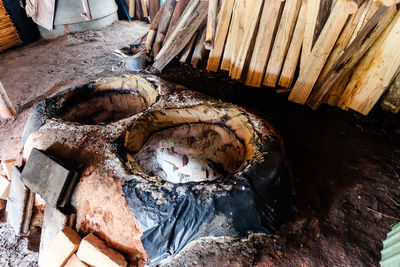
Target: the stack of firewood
pixel 183 29
pixel 340 52
pixel 9 35
pixel 143 9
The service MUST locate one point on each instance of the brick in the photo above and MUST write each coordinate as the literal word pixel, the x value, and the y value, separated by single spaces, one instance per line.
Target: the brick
pixel 74 261
pixel 16 201
pixel 4 187
pixel 8 166
pixel 53 222
pixel 48 178
pixel 94 251
pixel 61 248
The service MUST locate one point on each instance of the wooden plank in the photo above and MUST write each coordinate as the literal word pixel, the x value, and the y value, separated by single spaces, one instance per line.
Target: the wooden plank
pixel 293 54
pixel 179 8
pixel 311 22
pixel 247 30
pixel 282 41
pixel 199 50
pixel 353 53
pixel 228 56
pixel 224 19
pixel 211 23
pixel 319 54
pixel 375 78
pixel 265 36
pixel 192 19
pixel 186 53
pixel 163 26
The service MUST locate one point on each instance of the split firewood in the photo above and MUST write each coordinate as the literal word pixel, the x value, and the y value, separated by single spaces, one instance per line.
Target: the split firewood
pixel 391 101
pixel 232 39
pixel 293 54
pixel 246 34
pixel 6 108
pixel 390 2
pixel 154 7
pixel 179 8
pixel 138 9
pixel 319 54
pixel 224 20
pixel 192 19
pixel 163 26
pixel 311 22
pixel 282 41
pixel 265 36
pixel 353 53
pixel 144 9
pixel 154 27
pixel 199 50
pixel 187 51
pixel 372 78
pixel 131 8
pixel 211 23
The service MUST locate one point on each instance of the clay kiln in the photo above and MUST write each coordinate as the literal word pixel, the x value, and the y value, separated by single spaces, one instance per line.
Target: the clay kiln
pixel 162 166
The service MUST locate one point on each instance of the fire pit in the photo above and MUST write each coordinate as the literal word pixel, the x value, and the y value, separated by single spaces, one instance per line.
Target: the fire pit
pixel 163 166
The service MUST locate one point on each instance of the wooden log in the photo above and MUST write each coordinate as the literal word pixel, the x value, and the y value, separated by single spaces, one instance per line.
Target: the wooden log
pixel 247 31
pixel 391 101
pixel 154 7
pixel 131 7
pixel 187 51
pixel 163 26
pixel 265 37
pixel 179 8
pixel 372 78
pixel 293 54
pixel 353 53
pixel 311 23
pixel 282 41
pixel 191 20
pixel 211 23
pixel 224 20
pixel 199 50
pixel 6 108
pixel 229 54
pixel 319 54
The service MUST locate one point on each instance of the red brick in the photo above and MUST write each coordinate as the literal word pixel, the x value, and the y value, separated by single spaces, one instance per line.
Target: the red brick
pixel 94 251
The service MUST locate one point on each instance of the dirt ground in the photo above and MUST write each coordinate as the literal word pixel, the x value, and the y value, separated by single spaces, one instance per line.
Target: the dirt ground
pixel 346 167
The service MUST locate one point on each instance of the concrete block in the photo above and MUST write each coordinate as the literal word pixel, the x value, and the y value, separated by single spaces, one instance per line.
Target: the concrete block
pixel 4 187
pixel 61 248
pixel 16 201
pixel 53 222
pixel 74 261
pixel 48 178
pixel 94 251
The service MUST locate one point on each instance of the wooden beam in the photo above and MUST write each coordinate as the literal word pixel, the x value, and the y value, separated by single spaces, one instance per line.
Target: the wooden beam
pixel 248 28
pixel 224 19
pixel 319 54
pixel 282 41
pixel 6 108
pixel 293 54
pixel 373 79
pixel 191 20
pixel 352 54
pixel 265 37
pixel 211 23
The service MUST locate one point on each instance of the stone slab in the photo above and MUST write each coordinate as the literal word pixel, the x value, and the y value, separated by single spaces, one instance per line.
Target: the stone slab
pixel 16 201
